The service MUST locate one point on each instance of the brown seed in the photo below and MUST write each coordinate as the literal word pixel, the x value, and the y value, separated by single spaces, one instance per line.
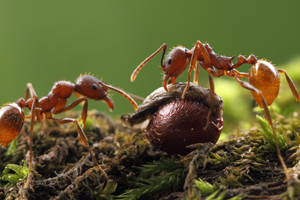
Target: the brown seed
pixel 180 123
pixel 175 122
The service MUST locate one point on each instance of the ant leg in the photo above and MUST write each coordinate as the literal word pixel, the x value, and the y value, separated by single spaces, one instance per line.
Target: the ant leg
pixel 29 89
pixel 196 73
pixel 291 84
pixel 34 114
pixel 131 100
pixel 72 105
pixel 248 86
pixel 211 85
pixel 204 53
pixel 197 49
pixel 240 74
pixel 82 137
pixel 211 71
pixel 136 71
pixel 212 90
pixel 188 83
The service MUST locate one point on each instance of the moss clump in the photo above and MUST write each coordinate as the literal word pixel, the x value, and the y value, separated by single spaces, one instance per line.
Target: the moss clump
pixel 241 166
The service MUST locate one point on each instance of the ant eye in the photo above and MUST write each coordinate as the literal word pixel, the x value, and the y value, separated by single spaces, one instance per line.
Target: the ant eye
pixel 169 61
pixel 94 86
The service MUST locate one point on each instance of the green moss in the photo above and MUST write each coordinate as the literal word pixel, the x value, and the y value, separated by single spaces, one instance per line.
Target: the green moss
pixel 169 174
pixel 269 137
pixel 204 187
pixel 12 174
pixel 12 146
pixel 138 170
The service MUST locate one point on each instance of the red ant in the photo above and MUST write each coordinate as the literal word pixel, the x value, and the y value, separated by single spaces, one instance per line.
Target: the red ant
pixel 86 87
pixel 263 78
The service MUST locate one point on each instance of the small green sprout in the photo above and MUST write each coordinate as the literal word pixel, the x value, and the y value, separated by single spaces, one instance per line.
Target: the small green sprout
pixel 267 133
pixel 214 196
pixel 12 146
pixel 218 195
pixel 104 191
pixel 20 173
pixel 274 107
pixel 213 191
pixel 204 187
pixel 217 159
pixel 238 197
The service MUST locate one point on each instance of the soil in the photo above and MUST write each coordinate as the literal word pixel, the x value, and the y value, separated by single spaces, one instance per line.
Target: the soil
pixel 241 166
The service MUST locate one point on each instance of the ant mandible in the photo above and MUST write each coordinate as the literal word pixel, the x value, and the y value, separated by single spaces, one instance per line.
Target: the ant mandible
pixel 86 87
pixel 263 78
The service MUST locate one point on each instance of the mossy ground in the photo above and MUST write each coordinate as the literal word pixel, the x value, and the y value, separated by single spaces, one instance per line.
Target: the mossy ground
pixel 243 166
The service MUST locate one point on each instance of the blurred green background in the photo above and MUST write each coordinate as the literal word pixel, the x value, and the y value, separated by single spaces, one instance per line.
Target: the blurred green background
pixel 45 41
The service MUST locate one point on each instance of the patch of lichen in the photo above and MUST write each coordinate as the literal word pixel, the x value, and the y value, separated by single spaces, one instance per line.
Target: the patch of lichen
pixel 240 166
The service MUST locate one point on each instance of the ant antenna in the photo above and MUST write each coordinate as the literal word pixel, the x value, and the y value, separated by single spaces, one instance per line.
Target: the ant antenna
pixel 122 93
pixel 136 71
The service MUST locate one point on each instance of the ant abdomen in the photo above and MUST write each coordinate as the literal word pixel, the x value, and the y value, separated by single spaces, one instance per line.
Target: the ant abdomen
pixel 264 77
pixel 11 122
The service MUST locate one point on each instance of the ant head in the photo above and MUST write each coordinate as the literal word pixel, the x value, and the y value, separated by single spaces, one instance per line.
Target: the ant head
pixel 89 86
pixel 175 63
